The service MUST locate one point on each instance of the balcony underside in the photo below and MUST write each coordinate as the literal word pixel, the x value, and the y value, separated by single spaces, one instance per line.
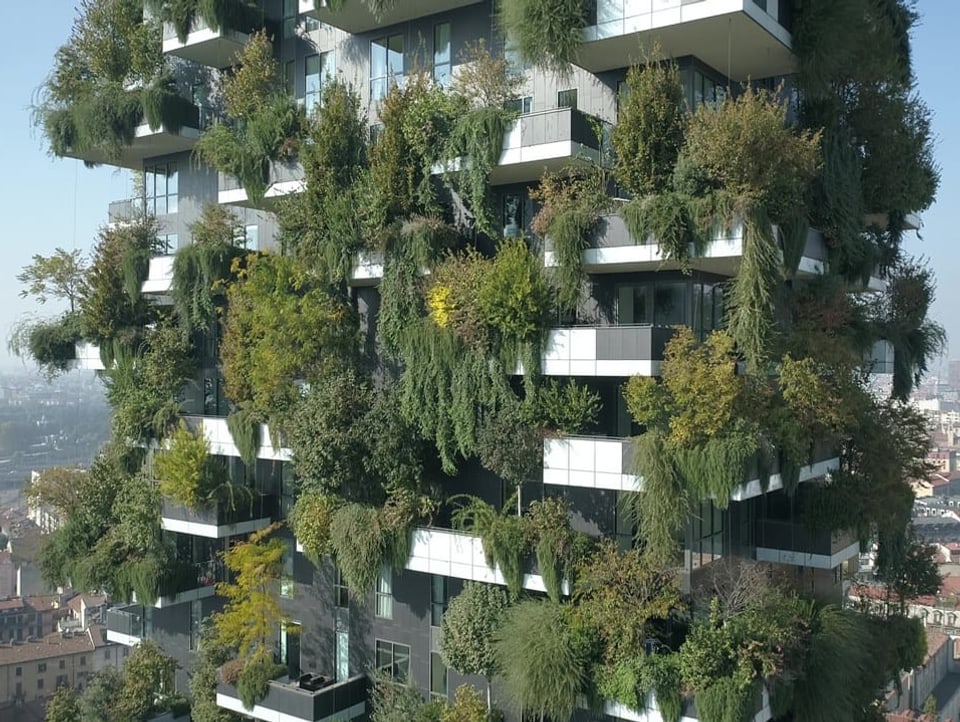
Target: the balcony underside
pixel 356 17
pixel 147 143
pixel 275 191
pixel 809 560
pixel 733 36
pixel 211 48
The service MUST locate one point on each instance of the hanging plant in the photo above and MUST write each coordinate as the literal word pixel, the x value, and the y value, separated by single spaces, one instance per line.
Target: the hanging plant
pixel 547 33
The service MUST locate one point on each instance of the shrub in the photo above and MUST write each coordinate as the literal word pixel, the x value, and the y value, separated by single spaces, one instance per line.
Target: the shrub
pixel 186 470
pixel 253 683
pixel 514 297
pixel 51 344
pixel 311 519
pixel 746 147
pixel 364 539
pixel 650 129
pixel 569 408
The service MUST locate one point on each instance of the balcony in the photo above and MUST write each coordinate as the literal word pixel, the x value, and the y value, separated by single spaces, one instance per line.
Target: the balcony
pixel 87 357
pixel 311 698
pixel 596 462
pixel 651 713
pixel 612 249
pixel 189 582
pixel 367 270
pixel 356 17
pixel 282 180
pixel 159 280
pixel 542 141
pixel 147 143
pixel 620 351
pixel 221 442
pixel 737 37
pixel 460 555
pixel 204 46
pixel 783 542
pixel 126 625
pixel 219 520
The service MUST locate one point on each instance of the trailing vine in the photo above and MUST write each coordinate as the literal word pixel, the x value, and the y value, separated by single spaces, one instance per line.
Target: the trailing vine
pixel 244 428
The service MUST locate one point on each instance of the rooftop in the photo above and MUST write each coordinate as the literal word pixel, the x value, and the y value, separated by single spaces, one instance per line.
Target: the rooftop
pixel 52 646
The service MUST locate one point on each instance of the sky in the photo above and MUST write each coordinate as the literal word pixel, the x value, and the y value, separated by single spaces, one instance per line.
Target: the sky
pixel 50 203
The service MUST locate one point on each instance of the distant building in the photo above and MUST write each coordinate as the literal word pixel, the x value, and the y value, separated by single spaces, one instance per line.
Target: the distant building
pixel 33 670
pixel 953 374
pixel 44 516
pixel 937 677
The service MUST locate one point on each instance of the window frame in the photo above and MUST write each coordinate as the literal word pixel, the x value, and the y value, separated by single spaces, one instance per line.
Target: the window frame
pixel 384 594
pixel 380 82
pixel 388 654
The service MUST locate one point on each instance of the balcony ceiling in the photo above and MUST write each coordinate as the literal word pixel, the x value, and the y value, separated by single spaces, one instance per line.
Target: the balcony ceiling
pixel 356 17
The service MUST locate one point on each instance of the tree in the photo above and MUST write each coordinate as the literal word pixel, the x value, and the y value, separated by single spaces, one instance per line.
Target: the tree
pixel 467 629
pixel 249 621
pixel 58 487
pixel 59 276
pixel 467 706
pixel 147 680
pixel 64 706
pixel 203 682
pixel 914 575
pixel 97 702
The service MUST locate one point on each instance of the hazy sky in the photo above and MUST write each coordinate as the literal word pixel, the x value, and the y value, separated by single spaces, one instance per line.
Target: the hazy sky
pixel 50 203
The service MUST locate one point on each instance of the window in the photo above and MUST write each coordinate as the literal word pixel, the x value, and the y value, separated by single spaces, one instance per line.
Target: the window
pixel 311 24
pixel 63 664
pixel 319 70
pixel 247 237
pixel 341 595
pixel 289 18
pixel 343 655
pixel 393 660
pixel 438 599
pixel 167 244
pixel 40 683
pixel 385 593
pixel 290 647
pixel 438 676
pixel 386 65
pixel 441 54
pixel 520 105
pixel 707 535
pixel 83 660
pixel 106 653
pixel 126 652
pixel 160 189
pixel 41 668
pixel 567 98
pixel 19 672
pixel 512 216
pixel 62 681
pixel 286 578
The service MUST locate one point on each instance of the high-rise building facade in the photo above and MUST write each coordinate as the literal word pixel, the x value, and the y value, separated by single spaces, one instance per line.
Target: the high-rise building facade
pixel 387 297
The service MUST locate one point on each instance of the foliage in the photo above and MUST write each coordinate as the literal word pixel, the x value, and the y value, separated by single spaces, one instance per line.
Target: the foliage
pixel 147 683
pixel 650 128
pixel 63 706
pixel 59 276
pixel 625 598
pixel 570 204
pixel 745 146
pixel 249 620
pixel 475 145
pixel 244 429
pixel 514 297
pixel 321 225
pixel 202 269
pixel 545 32
pixel 364 539
pixel 254 680
pixel 392 702
pixel 510 444
pixel 543 668
pixel 485 79
pixel 557 547
pixel 503 536
pixel 57 488
pixel 311 519
pixel 215 14
pixel 569 408
pixel 188 473
pixel 51 344
pixel 914 574
pixel 467 629
pixel 145 388
pixel 203 680
pixel 265 124
pixel 108 313
pixel 468 706
pixel 282 326
pixel 902 317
